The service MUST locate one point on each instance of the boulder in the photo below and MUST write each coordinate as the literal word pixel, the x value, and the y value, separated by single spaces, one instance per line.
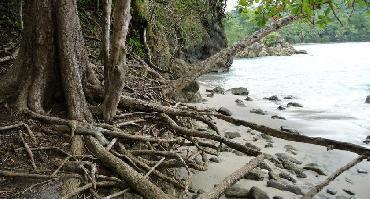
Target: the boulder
pixel 256 174
pixel 314 167
pixel 273 98
pixel 239 91
pixel 284 186
pixel 258 111
pixel 232 135
pixel 281 108
pixel 239 102
pixel 287 177
pixel 367 99
pixel 257 193
pixel 278 117
pixel 224 111
pixel 289 130
pixel 236 192
pixel 294 104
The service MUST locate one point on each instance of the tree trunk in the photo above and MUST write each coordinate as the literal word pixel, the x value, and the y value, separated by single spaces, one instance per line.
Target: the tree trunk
pixel 117 67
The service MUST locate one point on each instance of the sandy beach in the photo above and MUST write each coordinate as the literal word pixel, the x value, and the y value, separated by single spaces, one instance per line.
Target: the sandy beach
pixel 327 160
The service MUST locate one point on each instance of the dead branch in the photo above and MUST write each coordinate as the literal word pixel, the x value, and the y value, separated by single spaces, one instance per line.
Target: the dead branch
pixel 135 180
pixel 90 185
pixel 311 193
pixel 29 152
pixel 217 191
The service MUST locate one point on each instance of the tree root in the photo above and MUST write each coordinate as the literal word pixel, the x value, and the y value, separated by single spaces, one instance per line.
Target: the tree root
pixel 29 152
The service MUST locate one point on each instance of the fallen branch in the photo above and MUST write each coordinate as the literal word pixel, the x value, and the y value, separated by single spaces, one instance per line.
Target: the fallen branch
pixel 311 193
pixel 230 180
pixel 29 152
pixel 90 185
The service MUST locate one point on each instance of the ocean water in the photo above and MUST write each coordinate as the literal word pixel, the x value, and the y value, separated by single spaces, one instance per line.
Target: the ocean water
pixel 331 81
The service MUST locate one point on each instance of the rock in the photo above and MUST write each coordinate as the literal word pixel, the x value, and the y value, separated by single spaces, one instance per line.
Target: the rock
pixel 210 94
pixel 248 99
pixel 214 159
pixel 239 102
pixel 301 52
pixel 290 149
pixel 289 130
pixel 264 165
pixel 367 140
pixel 289 97
pixel 273 175
pixel 281 108
pixel 218 90
pixel 200 191
pixel 249 145
pixel 238 153
pixel 272 98
pixel 295 104
pixel 236 192
pixel 232 135
pixel 349 192
pixel 224 111
pixel 256 193
pixel 256 174
pixel 277 197
pixel 341 197
pixel 278 117
pixel 284 187
pixel 258 111
pixel 239 91
pixel 314 167
pixel 331 191
pixel 362 171
pixel 367 99
pixel 269 145
pixel 285 157
pixel 225 148
pixel 266 137
pixel 287 177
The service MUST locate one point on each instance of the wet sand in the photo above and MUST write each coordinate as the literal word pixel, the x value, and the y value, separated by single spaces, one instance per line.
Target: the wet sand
pixel 329 161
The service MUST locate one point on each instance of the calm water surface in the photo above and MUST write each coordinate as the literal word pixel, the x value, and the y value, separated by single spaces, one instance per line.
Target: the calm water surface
pixel 331 81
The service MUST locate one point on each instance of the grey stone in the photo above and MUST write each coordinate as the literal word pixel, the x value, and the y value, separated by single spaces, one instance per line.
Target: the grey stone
pixel 289 97
pixel 210 94
pixel 238 153
pixel 290 149
pixel 289 130
pixel 239 102
pixel 256 174
pixel 249 145
pixel 218 90
pixel 232 135
pixel 281 108
pixel 200 191
pixel 314 167
pixel 362 171
pixel 294 104
pixel 349 192
pixel 278 117
pixel 367 99
pixel 301 52
pixel 287 177
pixel 273 175
pixel 256 193
pixel 331 191
pixel 272 98
pixel 224 111
pixel 264 165
pixel 248 99
pixel 225 148
pixel 284 186
pixel 258 111
pixel 266 137
pixel 277 197
pixel 236 192
pixel 214 159
pixel 239 91
pixel 284 156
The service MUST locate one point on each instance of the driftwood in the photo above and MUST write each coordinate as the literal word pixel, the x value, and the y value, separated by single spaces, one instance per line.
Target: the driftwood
pixel 332 177
pixel 230 180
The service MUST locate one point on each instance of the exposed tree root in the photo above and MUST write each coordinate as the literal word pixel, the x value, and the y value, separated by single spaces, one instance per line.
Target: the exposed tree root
pixel 230 180
pixel 332 177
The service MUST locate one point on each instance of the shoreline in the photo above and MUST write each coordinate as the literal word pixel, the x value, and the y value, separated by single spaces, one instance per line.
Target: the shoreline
pixel 328 161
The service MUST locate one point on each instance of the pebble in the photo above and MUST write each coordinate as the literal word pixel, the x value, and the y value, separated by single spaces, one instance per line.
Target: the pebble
pixel 232 135
pixel 236 192
pixel 331 191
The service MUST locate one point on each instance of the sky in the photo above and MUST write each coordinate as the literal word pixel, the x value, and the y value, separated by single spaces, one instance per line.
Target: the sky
pixel 230 5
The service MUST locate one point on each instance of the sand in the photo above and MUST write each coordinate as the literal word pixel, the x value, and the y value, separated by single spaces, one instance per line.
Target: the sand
pixel 328 161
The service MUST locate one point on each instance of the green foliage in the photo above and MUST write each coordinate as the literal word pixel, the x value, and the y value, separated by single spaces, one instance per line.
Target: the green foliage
pixel 272 39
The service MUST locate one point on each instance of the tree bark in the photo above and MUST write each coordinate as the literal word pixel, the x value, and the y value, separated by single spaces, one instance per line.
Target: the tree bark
pixel 117 67
pixel 107 11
